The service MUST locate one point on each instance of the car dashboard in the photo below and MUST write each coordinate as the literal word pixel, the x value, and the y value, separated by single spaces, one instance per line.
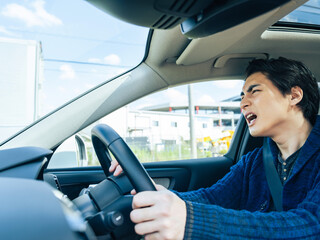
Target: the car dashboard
pixel 31 208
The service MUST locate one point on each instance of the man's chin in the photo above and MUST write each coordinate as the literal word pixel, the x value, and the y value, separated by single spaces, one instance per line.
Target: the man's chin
pixel 254 132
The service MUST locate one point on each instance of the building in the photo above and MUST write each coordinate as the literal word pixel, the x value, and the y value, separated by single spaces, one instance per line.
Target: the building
pixel 166 127
pixel 21 71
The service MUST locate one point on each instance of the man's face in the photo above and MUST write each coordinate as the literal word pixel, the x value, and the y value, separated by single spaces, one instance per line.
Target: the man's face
pixel 263 106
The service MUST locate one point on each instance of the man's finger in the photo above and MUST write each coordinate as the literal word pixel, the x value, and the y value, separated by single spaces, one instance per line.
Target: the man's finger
pixel 118 171
pixel 143 214
pixel 113 166
pixel 153 236
pixel 144 199
pixel 159 187
pixel 146 227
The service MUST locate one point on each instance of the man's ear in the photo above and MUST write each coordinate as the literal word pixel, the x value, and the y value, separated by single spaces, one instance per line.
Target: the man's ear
pixel 296 95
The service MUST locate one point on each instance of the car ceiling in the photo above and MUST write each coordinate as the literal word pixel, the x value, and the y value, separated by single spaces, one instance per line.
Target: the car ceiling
pixel 225 55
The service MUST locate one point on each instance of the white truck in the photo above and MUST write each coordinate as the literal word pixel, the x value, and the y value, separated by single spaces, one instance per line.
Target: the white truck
pixel 21 72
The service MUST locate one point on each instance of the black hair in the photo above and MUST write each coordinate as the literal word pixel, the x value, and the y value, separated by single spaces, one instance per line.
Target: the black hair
pixel 285 74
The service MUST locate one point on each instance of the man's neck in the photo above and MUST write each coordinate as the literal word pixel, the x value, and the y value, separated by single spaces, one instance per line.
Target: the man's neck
pixel 293 137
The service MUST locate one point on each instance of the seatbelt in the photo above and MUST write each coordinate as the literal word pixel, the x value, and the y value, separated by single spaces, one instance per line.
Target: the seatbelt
pixel 273 179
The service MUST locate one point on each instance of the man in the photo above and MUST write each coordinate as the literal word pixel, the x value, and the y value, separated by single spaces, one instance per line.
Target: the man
pixel 280 100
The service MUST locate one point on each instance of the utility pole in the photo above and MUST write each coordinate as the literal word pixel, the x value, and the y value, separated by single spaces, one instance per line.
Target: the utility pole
pixel 192 126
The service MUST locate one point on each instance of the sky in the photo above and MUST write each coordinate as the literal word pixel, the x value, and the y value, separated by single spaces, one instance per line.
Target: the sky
pixel 308 13
pixel 82 47
pixel 204 93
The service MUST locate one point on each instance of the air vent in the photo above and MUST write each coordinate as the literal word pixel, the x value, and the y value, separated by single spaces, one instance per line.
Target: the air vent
pixel 182 8
pixel 166 22
pixel 177 11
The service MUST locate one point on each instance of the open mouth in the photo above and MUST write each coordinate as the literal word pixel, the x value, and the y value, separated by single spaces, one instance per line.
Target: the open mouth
pixel 251 118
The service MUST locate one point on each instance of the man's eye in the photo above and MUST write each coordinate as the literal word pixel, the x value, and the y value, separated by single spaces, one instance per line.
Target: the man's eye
pixel 254 91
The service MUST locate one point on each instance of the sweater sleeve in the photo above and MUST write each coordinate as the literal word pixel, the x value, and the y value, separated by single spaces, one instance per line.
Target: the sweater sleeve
pixel 206 221
pixel 226 192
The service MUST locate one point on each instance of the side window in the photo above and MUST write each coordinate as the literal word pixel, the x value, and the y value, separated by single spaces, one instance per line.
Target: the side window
pixel 158 127
pixel 167 123
pixel 76 151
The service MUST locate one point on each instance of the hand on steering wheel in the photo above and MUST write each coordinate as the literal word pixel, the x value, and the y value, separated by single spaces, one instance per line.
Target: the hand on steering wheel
pixel 104 138
pixel 115 168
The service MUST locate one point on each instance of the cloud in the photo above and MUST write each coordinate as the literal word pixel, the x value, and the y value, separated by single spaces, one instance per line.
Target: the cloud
pixel 62 89
pixel 205 100
pixel 289 18
pixel 35 16
pixel 111 59
pixel 175 97
pixel 6 32
pixel 67 72
pixel 228 83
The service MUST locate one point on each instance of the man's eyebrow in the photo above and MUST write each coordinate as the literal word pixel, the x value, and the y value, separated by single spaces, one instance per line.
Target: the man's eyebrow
pixel 250 88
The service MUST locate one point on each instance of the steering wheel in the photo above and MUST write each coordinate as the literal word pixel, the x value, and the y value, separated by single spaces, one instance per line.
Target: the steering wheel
pixel 104 138
pixel 107 206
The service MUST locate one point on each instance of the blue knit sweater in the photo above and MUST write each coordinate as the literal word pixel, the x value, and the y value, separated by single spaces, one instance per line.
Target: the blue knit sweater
pixel 236 207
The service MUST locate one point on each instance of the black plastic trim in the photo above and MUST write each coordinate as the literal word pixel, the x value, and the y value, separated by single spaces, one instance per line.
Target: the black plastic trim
pixel 295 26
pixel 13 157
pixel 235 147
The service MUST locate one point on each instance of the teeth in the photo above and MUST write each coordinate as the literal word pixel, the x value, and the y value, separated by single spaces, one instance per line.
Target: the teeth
pixel 249 118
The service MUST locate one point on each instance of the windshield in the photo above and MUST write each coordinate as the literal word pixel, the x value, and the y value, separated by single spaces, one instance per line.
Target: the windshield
pixel 52 51
pixel 308 13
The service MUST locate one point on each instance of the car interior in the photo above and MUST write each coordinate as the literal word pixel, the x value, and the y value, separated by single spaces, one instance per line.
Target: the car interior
pixel 188 42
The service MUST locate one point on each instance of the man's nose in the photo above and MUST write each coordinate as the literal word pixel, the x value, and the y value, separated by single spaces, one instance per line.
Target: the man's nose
pixel 244 103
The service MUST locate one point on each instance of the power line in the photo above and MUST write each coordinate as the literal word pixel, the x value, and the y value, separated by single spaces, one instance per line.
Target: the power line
pixel 86 63
pixel 78 71
pixel 310 6
pixel 78 37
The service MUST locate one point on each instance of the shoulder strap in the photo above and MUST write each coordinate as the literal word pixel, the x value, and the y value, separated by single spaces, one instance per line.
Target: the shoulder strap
pixel 274 183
